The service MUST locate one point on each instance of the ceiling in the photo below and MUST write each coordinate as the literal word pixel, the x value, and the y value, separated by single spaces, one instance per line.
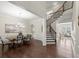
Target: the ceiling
pixel 39 8
pixel 9 9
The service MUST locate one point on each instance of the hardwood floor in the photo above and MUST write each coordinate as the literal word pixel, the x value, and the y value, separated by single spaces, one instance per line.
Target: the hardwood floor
pixel 35 50
pixel 65 47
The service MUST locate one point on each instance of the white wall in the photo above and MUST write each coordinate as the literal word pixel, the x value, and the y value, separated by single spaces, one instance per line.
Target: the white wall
pixel 39 29
pixel 5 19
pixel 75 32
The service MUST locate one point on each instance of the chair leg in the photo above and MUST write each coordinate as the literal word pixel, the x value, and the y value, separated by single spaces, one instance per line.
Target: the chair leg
pixel 2 47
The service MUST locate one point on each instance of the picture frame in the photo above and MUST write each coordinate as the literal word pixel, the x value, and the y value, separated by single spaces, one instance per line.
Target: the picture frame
pixel 12 28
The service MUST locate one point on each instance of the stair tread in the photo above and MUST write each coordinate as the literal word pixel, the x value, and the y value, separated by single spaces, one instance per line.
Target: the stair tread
pixel 50 43
pixel 50 40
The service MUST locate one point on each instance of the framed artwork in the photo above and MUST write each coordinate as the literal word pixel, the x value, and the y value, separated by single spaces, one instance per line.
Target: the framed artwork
pixel 12 28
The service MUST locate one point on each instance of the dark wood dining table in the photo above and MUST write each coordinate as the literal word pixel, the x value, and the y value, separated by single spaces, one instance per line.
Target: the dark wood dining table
pixel 12 43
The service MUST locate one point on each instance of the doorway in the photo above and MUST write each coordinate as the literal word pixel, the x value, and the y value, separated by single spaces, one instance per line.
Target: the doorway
pixel 64 39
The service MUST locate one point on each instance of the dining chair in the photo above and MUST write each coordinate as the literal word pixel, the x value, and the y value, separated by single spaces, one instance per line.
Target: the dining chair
pixel 27 39
pixel 19 40
pixel 4 42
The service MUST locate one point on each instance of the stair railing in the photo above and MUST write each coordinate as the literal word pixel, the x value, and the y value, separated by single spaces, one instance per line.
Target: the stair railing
pixel 60 11
pixel 57 14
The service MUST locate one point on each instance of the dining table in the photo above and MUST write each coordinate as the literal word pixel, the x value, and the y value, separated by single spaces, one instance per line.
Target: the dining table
pixel 13 41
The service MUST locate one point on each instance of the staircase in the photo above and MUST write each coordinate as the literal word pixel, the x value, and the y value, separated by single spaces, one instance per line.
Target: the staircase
pixel 51 34
pixel 51 38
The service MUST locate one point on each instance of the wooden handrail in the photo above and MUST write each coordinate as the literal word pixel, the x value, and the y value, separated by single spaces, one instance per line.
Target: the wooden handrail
pixel 59 10
pixel 51 28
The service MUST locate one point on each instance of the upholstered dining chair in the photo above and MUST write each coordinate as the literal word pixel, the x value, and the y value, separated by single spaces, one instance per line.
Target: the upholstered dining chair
pixel 27 39
pixel 4 42
pixel 19 39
